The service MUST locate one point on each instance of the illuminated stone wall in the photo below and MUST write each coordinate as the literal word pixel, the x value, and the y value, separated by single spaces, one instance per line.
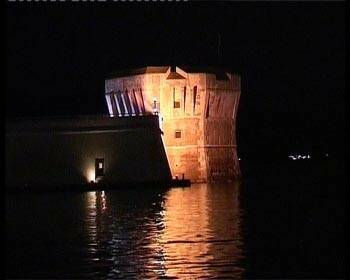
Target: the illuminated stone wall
pixel 197 111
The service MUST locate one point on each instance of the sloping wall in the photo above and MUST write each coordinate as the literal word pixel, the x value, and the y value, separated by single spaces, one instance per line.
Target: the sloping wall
pixel 63 151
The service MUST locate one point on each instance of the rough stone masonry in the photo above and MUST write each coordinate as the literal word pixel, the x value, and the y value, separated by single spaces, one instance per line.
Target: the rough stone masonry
pixel 197 109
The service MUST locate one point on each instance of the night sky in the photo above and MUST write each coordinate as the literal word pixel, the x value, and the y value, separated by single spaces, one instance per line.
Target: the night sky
pixel 291 57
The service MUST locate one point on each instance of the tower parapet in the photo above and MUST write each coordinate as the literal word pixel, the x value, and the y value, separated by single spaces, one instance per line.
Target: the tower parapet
pixel 197 111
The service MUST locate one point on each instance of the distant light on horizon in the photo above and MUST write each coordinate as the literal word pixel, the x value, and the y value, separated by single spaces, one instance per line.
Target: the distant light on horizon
pixel 299 157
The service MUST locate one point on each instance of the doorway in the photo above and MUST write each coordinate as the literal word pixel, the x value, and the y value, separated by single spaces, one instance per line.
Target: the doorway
pixel 99 168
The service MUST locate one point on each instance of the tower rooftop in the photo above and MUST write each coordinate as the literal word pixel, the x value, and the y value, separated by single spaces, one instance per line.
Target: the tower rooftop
pixel 220 73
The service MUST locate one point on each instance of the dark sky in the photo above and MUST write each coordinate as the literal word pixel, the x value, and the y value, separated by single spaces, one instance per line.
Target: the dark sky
pixel 291 57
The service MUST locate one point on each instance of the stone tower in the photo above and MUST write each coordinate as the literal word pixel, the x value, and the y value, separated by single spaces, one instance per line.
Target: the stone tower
pixel 197 110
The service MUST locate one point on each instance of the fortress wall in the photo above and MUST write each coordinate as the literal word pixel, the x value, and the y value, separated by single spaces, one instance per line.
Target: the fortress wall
pixel 57 154
pixel 220 128
pixel 205 116
pixel 182 152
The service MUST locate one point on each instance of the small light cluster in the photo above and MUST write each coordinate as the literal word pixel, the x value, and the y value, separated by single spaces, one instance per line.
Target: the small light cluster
pixel 299 157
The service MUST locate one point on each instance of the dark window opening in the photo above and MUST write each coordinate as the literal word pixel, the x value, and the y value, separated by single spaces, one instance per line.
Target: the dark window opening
pixel 178 134
pixel 176 104
pixel 99 167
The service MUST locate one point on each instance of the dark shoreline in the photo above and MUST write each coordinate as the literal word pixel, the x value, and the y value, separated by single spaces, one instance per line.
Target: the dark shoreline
pixel 98 187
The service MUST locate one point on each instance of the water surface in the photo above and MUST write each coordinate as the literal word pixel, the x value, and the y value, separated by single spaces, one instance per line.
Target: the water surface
pixel 281 221
pixel 182 233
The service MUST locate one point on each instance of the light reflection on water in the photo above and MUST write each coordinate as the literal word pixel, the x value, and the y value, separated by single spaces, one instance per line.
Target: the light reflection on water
pixel 180 233
pixel 293 224
pixel 184 233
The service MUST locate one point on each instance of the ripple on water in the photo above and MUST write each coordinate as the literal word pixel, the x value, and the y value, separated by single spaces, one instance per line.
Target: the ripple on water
pixel 189 233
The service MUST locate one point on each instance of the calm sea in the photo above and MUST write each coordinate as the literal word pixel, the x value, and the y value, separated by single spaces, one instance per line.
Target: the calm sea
pixel 281 221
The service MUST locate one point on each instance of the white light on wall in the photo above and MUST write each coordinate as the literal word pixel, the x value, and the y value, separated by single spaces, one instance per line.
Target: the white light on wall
pixel 109 104
pixel 160 121
pixel 91 174
pixel 155 109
